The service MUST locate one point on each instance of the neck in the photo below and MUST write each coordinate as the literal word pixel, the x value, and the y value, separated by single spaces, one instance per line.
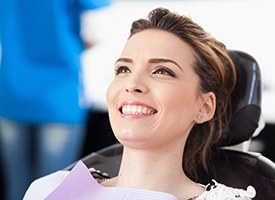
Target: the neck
pixel 158 170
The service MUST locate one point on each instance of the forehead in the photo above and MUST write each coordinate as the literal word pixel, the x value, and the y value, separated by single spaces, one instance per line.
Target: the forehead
pixel 158 43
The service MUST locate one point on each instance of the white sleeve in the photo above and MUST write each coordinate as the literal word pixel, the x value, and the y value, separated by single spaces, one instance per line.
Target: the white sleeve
pixel 42 187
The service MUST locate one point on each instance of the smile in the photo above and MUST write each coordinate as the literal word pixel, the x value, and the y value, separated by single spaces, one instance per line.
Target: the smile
pixel 137 110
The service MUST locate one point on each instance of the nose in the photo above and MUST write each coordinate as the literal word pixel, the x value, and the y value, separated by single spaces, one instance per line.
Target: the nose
pixel 135 90
pixel 136 85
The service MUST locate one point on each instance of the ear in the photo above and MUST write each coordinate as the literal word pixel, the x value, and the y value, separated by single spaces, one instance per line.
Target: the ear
pixel 207 110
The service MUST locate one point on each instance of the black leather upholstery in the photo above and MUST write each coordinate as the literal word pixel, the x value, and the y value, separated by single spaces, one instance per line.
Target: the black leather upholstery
pixel 240 169
pixel 246 99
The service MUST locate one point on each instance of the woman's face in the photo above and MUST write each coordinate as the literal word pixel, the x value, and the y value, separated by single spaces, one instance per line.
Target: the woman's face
pixel 154 96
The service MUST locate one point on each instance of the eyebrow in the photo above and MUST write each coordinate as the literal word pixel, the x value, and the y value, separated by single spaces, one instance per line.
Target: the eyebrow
pixel 164 60
pixel 152 60
pixel 128 60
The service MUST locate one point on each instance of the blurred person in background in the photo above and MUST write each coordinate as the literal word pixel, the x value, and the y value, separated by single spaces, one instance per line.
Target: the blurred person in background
pixel 42 117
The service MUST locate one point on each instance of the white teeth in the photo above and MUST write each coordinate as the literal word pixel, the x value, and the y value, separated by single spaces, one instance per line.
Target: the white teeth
pixel 135 110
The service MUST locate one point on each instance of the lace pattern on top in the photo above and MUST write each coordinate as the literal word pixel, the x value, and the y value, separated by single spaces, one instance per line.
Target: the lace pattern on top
pixel 218 191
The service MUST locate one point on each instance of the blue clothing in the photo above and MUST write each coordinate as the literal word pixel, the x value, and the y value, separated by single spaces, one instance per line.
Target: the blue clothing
pixel 41 115
pixel 39 71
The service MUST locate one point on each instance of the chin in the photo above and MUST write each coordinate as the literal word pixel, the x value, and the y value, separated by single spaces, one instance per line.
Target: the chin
pixel 130 138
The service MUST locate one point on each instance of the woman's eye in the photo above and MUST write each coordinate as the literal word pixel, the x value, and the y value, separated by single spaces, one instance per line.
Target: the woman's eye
pixel 164 71
pixel 122 70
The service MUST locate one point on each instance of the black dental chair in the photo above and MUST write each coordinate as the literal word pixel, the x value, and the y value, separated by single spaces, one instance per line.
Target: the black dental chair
pixel 236 168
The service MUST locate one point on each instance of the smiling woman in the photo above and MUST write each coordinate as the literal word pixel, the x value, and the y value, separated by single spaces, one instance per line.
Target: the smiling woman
pixel 168 104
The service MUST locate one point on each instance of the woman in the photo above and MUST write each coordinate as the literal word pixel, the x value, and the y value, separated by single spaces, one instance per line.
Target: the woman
pixel 168 104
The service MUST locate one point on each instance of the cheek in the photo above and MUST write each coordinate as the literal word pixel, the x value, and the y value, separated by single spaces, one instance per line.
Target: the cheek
pixel 110 98
pixel 179 101
pixel 111 93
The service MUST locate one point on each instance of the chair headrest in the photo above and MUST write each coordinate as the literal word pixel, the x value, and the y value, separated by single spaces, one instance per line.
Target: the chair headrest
pixel 246 99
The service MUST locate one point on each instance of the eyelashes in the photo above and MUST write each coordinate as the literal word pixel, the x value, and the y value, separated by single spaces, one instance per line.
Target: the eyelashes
pixel 160 71
pixel 164 71
pixel 121 70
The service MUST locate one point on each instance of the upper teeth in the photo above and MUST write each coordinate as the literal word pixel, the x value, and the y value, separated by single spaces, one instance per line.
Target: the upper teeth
pixel 130 109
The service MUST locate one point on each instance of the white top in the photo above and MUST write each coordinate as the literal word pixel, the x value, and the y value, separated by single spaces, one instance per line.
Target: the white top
pixel 79 184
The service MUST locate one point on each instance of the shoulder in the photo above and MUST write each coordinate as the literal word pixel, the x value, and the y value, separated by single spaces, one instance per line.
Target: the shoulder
pixel 219 191
pixel 42 187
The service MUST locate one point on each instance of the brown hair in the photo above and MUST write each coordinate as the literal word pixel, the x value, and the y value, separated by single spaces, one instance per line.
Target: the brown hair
pixel 217 74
